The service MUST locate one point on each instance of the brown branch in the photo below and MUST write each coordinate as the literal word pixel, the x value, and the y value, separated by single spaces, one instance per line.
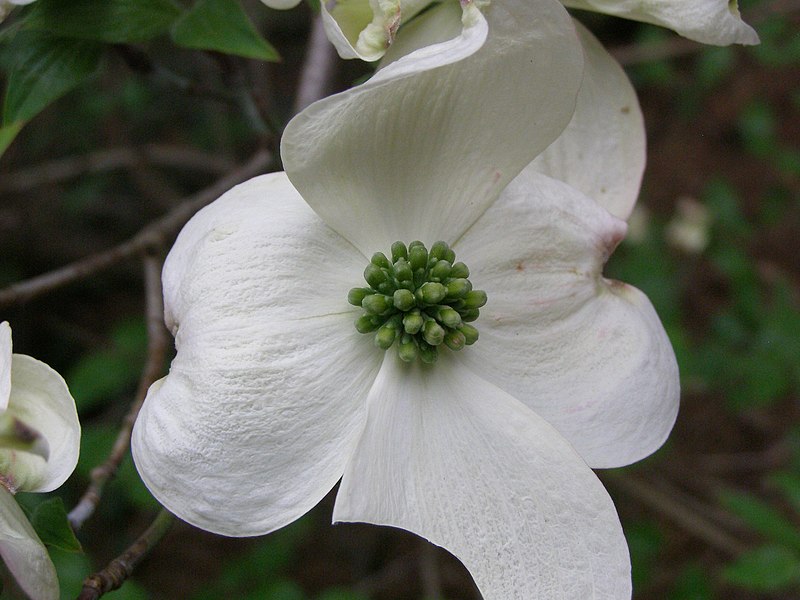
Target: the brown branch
pixel 157 345
pixel 670 506
pixel 317 67
pixel 52 171
pixel 119 569
pixel 156 234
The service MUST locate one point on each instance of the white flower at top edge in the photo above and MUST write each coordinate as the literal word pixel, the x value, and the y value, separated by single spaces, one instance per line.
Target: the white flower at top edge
pixel 365 29
pixel 39 445
pixel 274 396
pixel 715 22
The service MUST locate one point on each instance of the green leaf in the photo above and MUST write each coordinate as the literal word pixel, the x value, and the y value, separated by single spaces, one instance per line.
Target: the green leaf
pixel 8 133
pixel 645 541
pixel 107 373
pixel 44 69
pixel 126 488
pixel 692 584
pixel 113 21
pixel 49 519
pixel 259 568
pixel 789 484
pixel 768 568
pixel 763 518
pixel 223 26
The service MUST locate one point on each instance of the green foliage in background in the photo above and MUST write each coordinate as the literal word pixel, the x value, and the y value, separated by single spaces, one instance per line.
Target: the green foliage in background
pixel 60 62
pixel 58 45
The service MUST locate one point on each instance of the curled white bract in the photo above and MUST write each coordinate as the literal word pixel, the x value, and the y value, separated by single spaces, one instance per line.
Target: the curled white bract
pixel 33 394
pixel 715 22
pixel 273 395
pixel 367 29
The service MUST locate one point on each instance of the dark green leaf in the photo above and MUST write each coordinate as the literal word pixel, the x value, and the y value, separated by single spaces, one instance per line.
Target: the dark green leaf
pixel 692 584
pixel 113 21
pixel 645 541
pixel 44 69
pixel 8 133
pixel 223 26
pixel 763 518
pixel 49 519
pixel 110 371
pixel 789 484
pixel 765 569
pixel 126 488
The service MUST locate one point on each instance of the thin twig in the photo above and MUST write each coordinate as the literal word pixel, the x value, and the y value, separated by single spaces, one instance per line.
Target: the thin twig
pixel 157 344
pixel 683 516
pixel 119 569
pixel 69 167
pixel 317 67
pixel 156 234
pixel 140 62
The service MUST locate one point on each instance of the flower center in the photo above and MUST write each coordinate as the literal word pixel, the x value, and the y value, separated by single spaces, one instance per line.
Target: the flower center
pixel 419 299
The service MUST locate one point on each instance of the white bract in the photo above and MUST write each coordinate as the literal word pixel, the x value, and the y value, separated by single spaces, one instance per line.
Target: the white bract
pixel 365 29
pixel 274 396
pixel 35 407
pixel 715 22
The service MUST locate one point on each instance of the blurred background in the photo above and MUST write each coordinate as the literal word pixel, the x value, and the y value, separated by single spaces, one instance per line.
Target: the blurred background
pixel 714 242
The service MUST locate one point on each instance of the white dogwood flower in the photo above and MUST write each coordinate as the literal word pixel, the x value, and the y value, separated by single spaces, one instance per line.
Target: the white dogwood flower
pixel 478 445
pixel 365 29
pixel 715 22
pixel 39 445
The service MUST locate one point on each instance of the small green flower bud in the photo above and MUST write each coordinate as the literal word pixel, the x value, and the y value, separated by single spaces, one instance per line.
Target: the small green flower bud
pixel 407 349
pixel 459 271
pixel 470 333
pixel 387 287
pixel 439 249
pixel 367 324
pixel 413 322
pixel 356 295
pixel 440 270
pixel 432 292
pixel 427 353
pixel 402 270
pixel 377 304
pixel 399 251
pixel 467 316
pixel 379 260
pixel 417 257
pixel 422 300
pixel 385 336
pixel 455 340
pixel 448 317
pixel 403 300
pixel 474 299
pixel 375 276
pixel 458 288
pixel 433 333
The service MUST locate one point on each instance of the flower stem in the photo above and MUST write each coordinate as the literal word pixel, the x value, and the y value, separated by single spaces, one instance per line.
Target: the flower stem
pixel 119 569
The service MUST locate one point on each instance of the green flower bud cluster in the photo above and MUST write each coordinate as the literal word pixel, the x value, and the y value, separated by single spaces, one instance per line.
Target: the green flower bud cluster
pixel 420 299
